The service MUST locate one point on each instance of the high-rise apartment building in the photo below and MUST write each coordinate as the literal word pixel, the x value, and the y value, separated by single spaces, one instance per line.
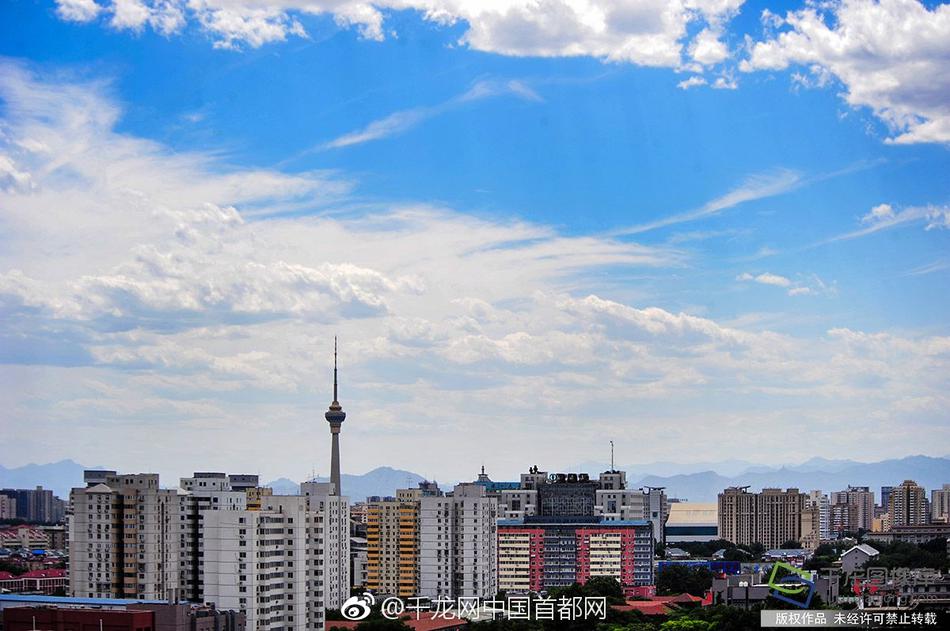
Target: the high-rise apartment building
pixel 202 492
pixel 886 497
pixel 335 511
pixel 822 504
pixel 810 536
pixel 391 554
pixel 862 497
pixel 392 542
pixel 940 504
pixel 7 506
pixel 844 519
pixel 907 505
pixel 458 544
pixel 771 517
pixel 124 538
pixel 267 563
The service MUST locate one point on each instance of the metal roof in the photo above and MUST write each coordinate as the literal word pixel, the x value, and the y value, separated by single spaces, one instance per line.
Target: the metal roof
pixel 69 600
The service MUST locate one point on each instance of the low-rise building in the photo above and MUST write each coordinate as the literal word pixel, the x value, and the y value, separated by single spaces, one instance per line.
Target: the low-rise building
pixel 919 534
pixel 855 558
pixel 49 581
pixel 692 521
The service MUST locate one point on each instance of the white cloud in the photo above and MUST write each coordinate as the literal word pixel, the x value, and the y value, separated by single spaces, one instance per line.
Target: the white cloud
pixel 890 55
pixel 77 10
pixel 691 82
pixel 648 32
pixel 881 212
pixel 884 217
pixel 766 278
pixel 725 82
pixel 707 48
pixel 803 286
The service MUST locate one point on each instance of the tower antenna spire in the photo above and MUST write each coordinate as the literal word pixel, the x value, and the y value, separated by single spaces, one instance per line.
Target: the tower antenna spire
pixel 612 468
pixel 335 417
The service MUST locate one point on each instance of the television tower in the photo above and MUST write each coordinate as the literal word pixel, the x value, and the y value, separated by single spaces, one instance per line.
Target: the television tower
pixel 335 417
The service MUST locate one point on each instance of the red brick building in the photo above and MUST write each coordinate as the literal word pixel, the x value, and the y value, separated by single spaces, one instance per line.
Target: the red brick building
pixel 63 619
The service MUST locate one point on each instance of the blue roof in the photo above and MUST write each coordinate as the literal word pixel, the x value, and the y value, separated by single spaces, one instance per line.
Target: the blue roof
pixel 541 521
pixel 68 600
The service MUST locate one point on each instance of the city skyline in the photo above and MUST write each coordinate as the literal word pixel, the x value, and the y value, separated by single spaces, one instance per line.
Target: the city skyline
pixel 700 247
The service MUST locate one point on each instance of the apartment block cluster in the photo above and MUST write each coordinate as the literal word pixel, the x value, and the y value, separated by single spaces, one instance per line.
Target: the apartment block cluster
pixel 774 517
pixel 37 506
pixel 547 530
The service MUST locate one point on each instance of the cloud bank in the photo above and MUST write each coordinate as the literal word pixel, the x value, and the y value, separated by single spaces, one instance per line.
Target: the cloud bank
pixel 160 312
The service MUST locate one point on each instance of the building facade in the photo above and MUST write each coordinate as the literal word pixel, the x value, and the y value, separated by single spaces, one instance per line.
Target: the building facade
pixel 267 563
pixel 542 494
pixel 458 544
pixel 770 518
pixel 822 504
pixel 536 553
pixel 862 498
pixel 907 505
pixel 940 504
pixel 691 521
pixel 201 493
pixel 37 505
pixel 322 498
pixel 124 539
pixel 392 545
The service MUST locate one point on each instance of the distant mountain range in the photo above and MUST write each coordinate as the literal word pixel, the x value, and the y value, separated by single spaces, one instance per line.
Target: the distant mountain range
pixel 59 477
pixel 697 482
pixel 380 481
pixel 705 486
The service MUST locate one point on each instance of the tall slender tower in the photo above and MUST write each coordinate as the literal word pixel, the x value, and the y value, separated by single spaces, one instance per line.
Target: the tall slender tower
pixel 335 417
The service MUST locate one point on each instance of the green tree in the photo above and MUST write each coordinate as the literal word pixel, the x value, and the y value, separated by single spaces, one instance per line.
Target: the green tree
pixel 683 579
pixel 686 624
pixel 605 586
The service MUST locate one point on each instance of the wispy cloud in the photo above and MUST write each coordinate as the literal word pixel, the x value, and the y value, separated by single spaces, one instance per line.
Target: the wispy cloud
pixel 885 217
pixel 929 268
pixel 809 286
pixel 404 120
pixel 766 278
pixel 759 186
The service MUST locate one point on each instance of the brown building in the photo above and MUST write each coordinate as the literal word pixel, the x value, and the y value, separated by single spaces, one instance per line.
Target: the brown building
pixel 907 504
pixel 844 519
pixel 62 619
pixel 126 617
pixel 771 517
pixel 862 497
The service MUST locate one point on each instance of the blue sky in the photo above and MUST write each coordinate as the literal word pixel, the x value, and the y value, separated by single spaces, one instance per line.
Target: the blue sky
pixel 497 210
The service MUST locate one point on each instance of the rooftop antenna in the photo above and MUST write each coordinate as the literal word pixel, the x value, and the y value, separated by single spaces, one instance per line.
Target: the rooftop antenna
pixel 612 468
